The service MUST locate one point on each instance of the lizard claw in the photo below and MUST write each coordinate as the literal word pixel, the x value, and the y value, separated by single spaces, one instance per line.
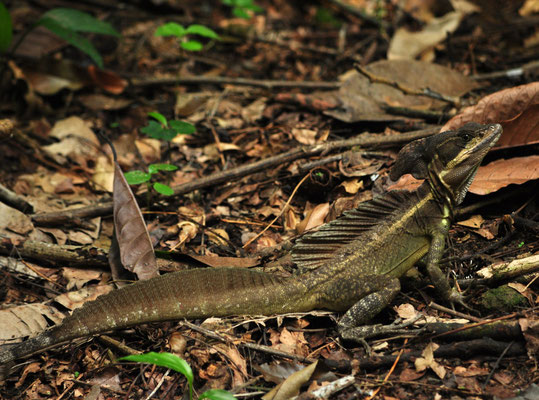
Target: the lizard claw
pixel 456 297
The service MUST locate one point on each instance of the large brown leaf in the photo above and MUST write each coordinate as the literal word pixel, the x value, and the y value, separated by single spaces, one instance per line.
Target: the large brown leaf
pixel 361 99
pixel 517 109
pixel 501 173
pixel 136 250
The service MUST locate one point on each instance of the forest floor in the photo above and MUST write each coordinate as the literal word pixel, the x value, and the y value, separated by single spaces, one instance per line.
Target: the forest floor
pixel 279 123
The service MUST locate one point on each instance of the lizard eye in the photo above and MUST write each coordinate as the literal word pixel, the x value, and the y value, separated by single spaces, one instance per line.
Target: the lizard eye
pixel 466 136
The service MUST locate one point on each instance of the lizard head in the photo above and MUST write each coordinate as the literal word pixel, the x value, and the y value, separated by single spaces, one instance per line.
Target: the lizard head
pixel 448 160
pixel 456 157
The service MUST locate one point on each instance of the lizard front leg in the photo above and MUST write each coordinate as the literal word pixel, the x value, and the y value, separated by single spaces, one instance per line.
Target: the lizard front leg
pixel 438 279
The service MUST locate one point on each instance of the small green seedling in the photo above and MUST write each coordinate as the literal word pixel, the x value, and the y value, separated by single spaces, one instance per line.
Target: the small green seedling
pixel 241 8
pixel 174 29
pixel 137 177
pixel 63 22
pixel 177 364
pixel 161 128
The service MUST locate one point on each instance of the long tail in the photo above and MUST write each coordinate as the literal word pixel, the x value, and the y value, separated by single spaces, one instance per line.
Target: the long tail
pixel 186 294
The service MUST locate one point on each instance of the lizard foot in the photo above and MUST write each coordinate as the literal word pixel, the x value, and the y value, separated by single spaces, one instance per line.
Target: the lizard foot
pixel 359 334
pixel 458 298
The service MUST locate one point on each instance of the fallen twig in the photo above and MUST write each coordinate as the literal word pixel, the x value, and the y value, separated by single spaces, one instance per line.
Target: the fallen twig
pixel 365 140
pixel 224 80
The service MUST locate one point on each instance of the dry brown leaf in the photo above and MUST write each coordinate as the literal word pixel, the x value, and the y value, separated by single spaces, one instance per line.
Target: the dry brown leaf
pixel 103 378
pixel 188 103
pixel 98 102
pixel 135 245
pixel 291 220
pixel 314 218
pixel 501 173
pixel 254 111
pixel 289 342
pixel 103 175
pixel 177 343
pixel 353 164
pixel 149 149
pixel 519 287
pixel 359 98
pixel 227 146
pixel 13 220
pixel 406 45
pixel 238 364
pixel 107 80
pixel 472 370
pixel 474 221
pixel 291 386
pixel 304 136
pixel 517 109
pixel 352 186
pixel 75 299
pixel 76 140
pixel 529 7
pixel 408 374
pixel 77 278
pixel 427 361
pixel 47 84
pixel 27 268
pixel 406 311
pixel 277 372
pixel 38 43
pixel 26 320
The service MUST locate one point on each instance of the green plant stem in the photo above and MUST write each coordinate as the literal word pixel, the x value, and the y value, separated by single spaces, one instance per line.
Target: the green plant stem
pixel 14 49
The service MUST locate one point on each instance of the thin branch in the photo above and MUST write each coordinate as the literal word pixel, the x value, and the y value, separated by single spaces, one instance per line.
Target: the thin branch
pixel 225 80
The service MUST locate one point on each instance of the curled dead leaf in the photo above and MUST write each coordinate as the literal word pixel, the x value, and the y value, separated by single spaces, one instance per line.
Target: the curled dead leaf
pixel 134 241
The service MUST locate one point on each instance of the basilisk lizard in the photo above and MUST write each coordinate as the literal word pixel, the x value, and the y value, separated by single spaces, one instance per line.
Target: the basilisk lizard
pixel 354 262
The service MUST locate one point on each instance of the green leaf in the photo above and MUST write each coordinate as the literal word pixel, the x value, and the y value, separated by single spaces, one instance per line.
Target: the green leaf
pixel 163 189
pixel 240 12
pixel 153 129
pixel 170 29
pixel 216 394
pixel 156 131
pixel 6 28
pixel 167 360
pixel 185 128
pixel 191 45
pixel 72 37
pixel 324 16
pixel 243 3
pixel 79 21
pixel 154 168
pixel 137 177
pixel 160 117
pixel 255 8
pixel 202 31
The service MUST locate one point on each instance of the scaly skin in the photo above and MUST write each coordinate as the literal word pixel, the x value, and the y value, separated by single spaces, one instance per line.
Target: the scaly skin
pixel 354 262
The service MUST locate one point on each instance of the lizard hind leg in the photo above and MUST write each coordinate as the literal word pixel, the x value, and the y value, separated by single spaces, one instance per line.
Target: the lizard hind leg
pixel 364 310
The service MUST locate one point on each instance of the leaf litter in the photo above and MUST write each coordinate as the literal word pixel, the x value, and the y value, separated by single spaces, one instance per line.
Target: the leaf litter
pixel 238 124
